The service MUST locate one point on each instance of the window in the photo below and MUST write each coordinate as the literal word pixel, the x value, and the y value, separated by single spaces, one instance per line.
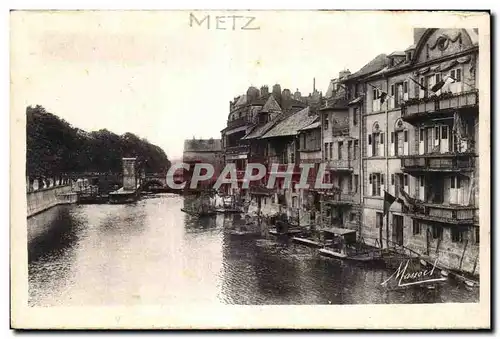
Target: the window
pixel 437 232
pixel 369 139
pixel 376 142
pixel 417 229
pixel 392 91
pixel 331 150
pixel 356 149
pixel 326 151
pixel 392 179
pixel 381 138
pixel 458 234
pixel 382 179
pixel 422 134
pixel 438 77
pixel 405 134
pixel 340 145
pixel 405 178
pixel 376 100
pixel 355 116
pixel 392 137
pixel 476 235
pixel 444 132
pixel 376 180
pixel 456 74
pixel 452 183
pixel 405 87
pixel 326 123
pixel 352 217
pixel 356 183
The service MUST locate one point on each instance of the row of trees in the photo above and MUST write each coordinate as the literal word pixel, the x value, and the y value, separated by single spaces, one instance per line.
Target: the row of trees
pixel 54 146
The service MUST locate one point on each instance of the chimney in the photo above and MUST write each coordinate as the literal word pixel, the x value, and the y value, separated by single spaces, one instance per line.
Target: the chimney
pixel 297 95
pixel 344 73
pixel 314 85
pixel 264 91
pixel 277 93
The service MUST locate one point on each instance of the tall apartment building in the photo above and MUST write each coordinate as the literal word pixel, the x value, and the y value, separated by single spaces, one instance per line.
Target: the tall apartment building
pixel 419 110
pixel 340 207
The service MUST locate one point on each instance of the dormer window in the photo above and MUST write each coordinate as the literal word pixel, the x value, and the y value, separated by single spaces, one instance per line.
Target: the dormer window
pixel 408 56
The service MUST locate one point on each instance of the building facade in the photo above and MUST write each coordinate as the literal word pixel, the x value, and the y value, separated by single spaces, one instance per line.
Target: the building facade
pixel 419 139
pixel 208 151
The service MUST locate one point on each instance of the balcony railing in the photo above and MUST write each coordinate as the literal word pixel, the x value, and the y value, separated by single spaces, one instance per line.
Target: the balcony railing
pixel 237 122
pixel 451 214
pixel 237 149
pixel 449 162
pixel 339 198
pixel 340 130
pixel 423 108
pixel 339 165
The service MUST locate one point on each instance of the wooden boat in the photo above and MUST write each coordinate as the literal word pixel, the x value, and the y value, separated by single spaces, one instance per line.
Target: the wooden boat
pixel 362 257
pixel 287 233
pixel 199 214
pixel 307 242
pixel 343 246
pixel 227 210
pixel 244 234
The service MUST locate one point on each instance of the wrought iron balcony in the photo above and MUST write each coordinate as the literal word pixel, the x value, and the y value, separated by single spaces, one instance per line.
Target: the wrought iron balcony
pixel 338 198
pixel 340 130
pixel 339 165
pixel 437 162
pixel 415 110
pixel 450 214
pixel 239 149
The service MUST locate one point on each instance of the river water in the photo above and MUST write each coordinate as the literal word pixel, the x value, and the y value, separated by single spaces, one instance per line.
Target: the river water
pixel 151 253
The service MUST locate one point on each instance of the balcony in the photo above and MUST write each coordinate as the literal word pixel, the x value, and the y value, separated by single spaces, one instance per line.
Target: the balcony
pixel 417 110
pixel 340 130
pixel 236 152
pixel 237 122
pixel 339 165
pixel 284 167
pixel 339 199
pixel 447 162
pixel 449 214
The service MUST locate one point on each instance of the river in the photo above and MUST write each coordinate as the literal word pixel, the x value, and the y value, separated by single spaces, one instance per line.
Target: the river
pixel 151 253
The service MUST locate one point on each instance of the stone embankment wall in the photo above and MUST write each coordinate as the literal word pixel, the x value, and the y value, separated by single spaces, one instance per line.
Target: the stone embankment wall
pixel 43 199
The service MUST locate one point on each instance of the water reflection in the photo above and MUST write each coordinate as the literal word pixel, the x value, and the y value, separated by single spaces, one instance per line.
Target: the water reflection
pixel 151 253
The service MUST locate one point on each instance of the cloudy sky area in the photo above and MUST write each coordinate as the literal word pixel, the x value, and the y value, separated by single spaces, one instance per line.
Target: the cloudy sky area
pixel 152 74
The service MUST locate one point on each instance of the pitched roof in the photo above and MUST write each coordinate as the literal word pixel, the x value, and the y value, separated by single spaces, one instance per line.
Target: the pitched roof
pixel 271 105
pixel 314 125
pixel 379 62
pixel 259 131
pixel 291 124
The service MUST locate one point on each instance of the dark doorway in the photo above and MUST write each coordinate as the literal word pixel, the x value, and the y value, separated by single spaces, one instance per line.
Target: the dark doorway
pixel 397 229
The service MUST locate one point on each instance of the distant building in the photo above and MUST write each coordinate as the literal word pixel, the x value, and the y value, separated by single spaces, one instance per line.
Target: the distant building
pixel 203 151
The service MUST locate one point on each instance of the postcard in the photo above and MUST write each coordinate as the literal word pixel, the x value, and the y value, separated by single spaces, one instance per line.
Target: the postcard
pixel 250 170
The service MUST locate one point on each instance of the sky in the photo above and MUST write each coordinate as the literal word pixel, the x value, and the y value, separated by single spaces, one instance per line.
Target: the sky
pixel 163 77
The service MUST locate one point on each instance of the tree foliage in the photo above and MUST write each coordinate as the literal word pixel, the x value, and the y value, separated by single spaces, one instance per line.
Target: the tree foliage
pixel 55 147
